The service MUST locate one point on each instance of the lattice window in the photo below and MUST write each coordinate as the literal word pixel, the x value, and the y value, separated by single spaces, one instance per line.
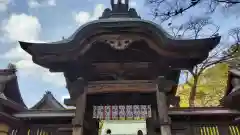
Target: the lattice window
pixel 35 131
pixel 209 130
pixel 38 132
pixel 14 132
pixel 234 130
pixel 215 130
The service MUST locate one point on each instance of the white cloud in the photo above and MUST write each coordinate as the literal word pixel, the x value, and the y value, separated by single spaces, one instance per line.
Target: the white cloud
pixel 132 3
pixel 27 28
pixel 33 4
pixel 21 27
pixel 97 11
pixel 41 3
pixel 83 17
pixel 51 2
pixel 3 5
pixel 16 53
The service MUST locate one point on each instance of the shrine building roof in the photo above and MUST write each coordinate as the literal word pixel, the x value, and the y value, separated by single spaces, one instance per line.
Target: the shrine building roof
pixel 48 102
pixel 11 94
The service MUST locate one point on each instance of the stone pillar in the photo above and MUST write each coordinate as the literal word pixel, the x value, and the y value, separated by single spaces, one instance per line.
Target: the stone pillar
pixel 163 86
pixel 4 128
pixel 78 120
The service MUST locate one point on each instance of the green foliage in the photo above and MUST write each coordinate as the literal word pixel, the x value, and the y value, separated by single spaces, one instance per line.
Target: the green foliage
pixel 210 88
pixel 101 123
pixel 235 60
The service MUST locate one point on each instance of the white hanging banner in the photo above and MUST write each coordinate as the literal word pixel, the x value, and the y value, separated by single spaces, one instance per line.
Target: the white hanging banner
pixel 122 112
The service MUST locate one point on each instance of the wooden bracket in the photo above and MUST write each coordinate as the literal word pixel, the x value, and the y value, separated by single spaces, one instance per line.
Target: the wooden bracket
pixel 164 85
pixel 173 100
pixel 76 122
pixel 76 88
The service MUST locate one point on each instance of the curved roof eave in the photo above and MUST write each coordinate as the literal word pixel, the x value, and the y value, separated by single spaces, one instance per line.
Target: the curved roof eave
pixel 205 44
pixel 12 91
pixel 40 49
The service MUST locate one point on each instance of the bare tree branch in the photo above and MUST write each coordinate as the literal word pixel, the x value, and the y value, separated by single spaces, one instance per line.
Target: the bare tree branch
pixel 234 60
pixel 196 28
pixel 166 9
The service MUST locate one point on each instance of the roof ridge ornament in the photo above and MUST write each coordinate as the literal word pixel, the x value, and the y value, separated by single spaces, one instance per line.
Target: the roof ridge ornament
pixel 4 79
pixel 12 67
pixel 120 4
pixel 120 10
pixel 48 92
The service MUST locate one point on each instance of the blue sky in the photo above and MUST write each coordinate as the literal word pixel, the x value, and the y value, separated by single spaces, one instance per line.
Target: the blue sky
pixel 50 20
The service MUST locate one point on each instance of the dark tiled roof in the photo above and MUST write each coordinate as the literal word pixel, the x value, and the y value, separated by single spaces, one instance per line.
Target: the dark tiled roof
pixel 13 121
pixel 48 102
pixel 11 90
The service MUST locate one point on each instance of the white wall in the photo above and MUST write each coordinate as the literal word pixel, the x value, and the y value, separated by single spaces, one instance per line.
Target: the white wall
pixel 124 127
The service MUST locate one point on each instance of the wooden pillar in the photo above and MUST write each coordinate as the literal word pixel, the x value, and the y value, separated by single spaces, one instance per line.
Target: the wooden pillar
pixel 152 122
pixel 79 115
pixel 163 113
pixel 78 120
pixel 4 129
pixel 223 129
pixel 163 86
pixel 23 130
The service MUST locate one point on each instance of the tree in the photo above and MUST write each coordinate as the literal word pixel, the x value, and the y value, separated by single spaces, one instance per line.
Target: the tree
pixel 197 28
pixel 210 87
pixel 166 9
pixel 101 123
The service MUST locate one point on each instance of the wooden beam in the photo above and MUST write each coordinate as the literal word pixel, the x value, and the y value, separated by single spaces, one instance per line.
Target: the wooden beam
pixel 127 98
pixel 121 86
pixel 70 113
pixel 114 66
pixel 127 71
pixel 99 87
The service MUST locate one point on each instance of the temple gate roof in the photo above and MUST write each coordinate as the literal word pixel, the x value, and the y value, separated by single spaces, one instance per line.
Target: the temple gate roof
pixel 119 28
pixel 120 45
